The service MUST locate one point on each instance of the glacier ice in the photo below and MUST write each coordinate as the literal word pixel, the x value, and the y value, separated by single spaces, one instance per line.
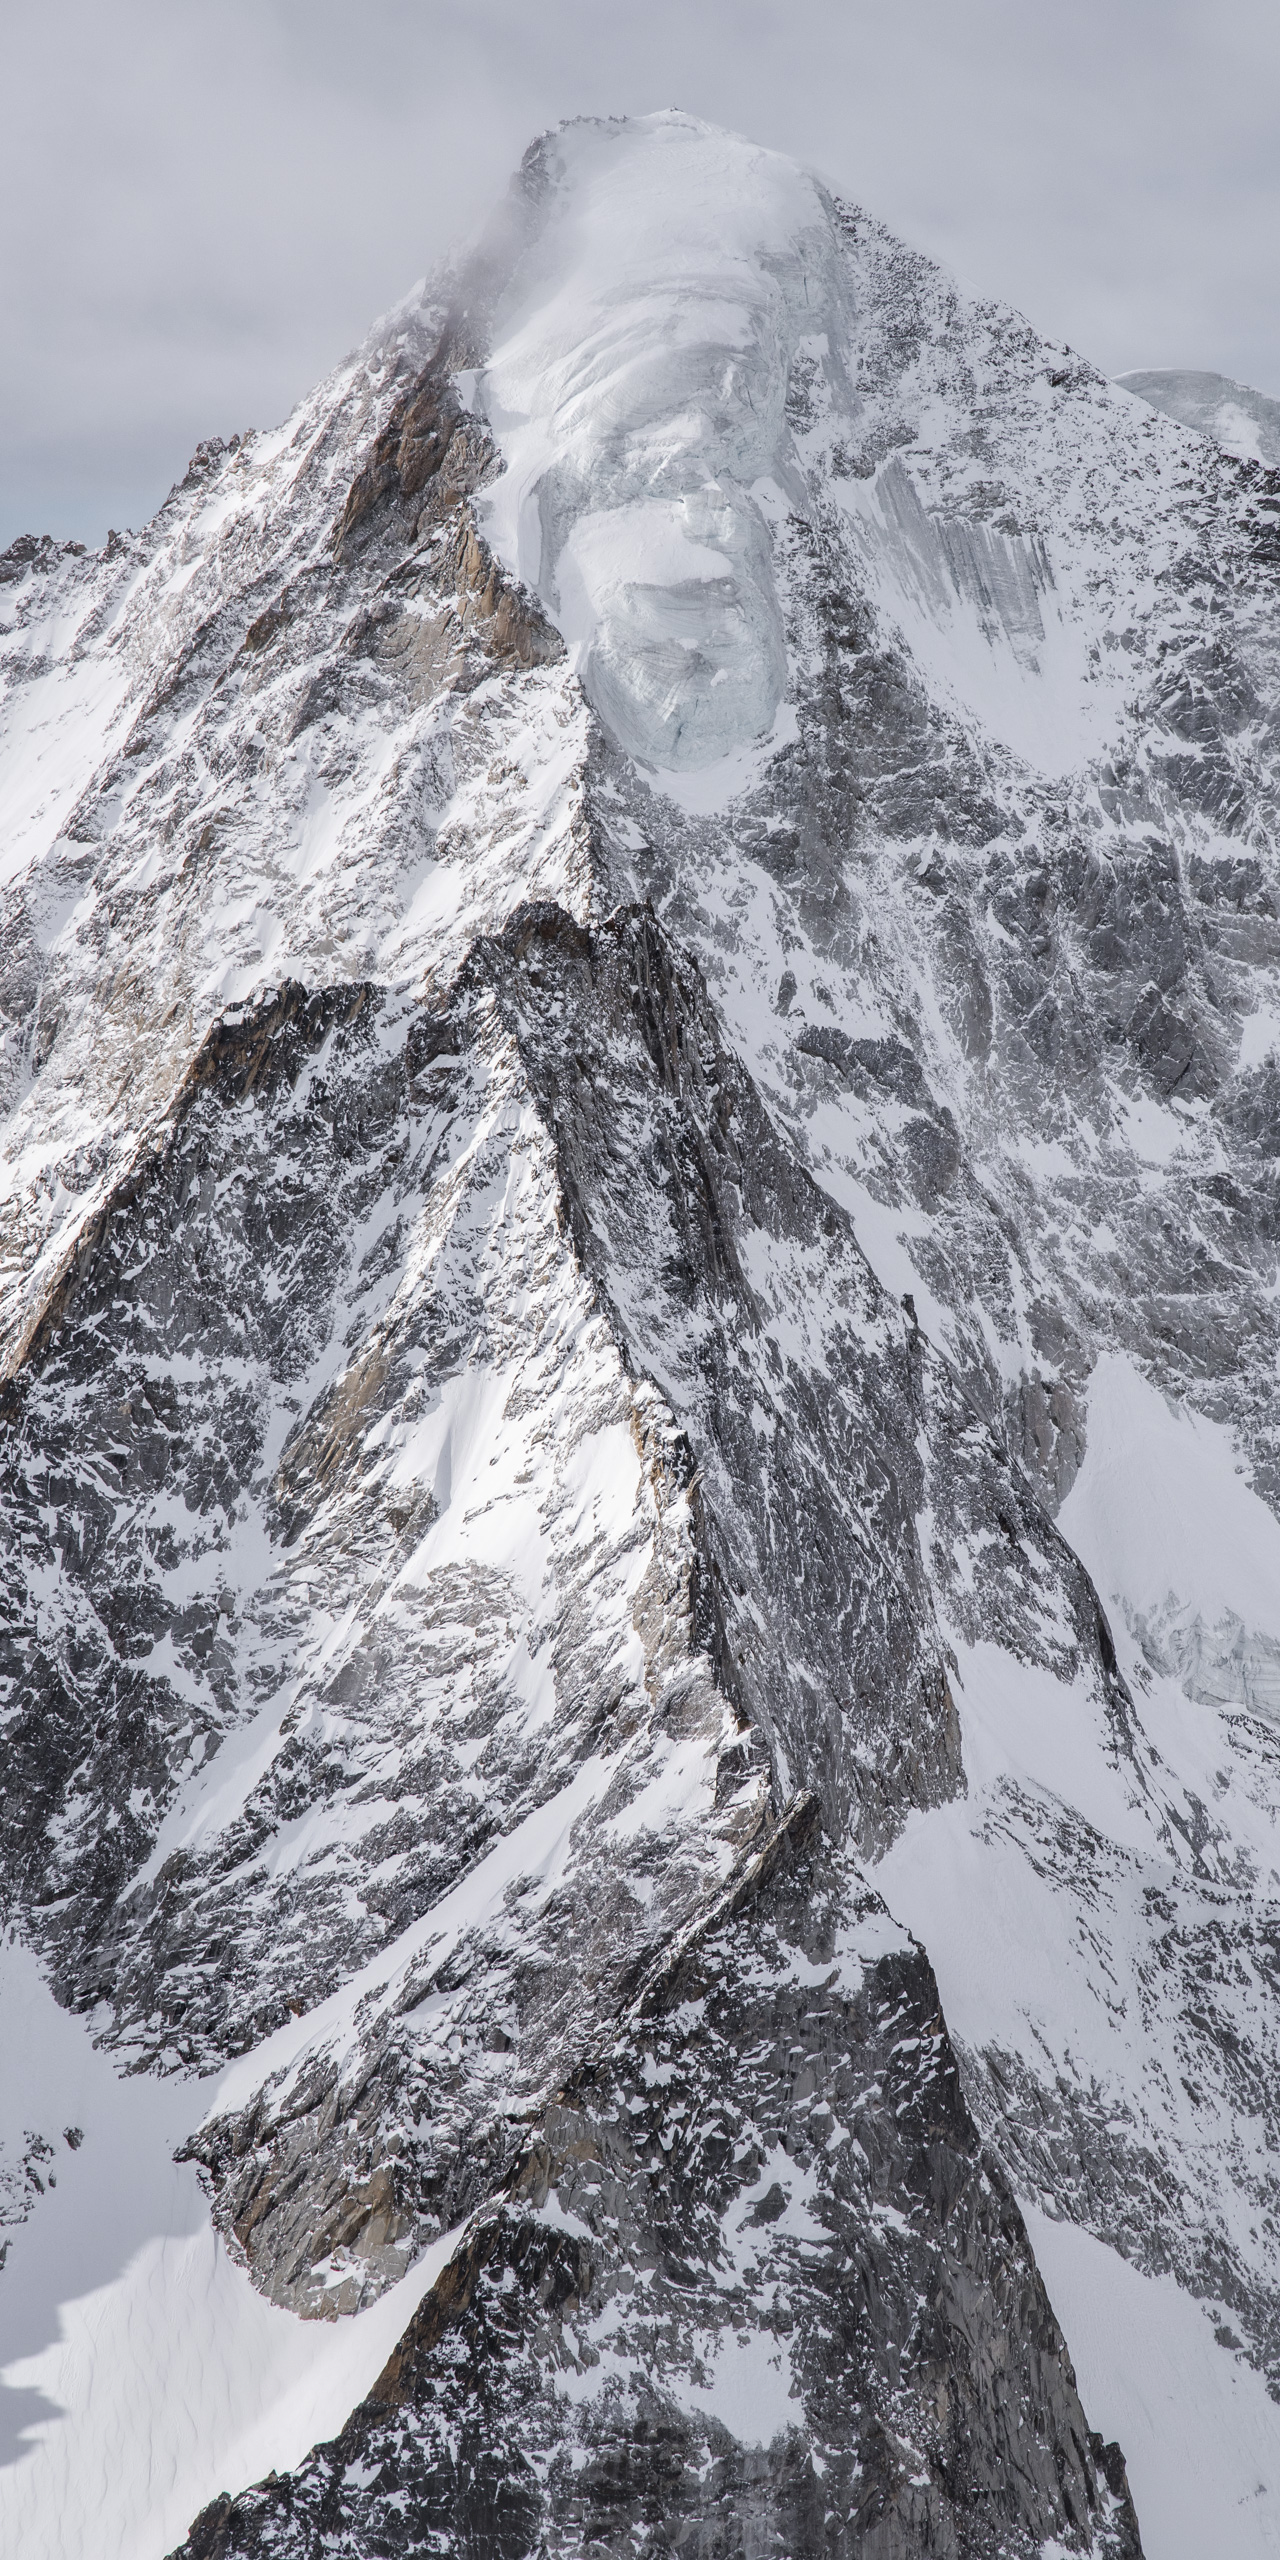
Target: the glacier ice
pixel 636 388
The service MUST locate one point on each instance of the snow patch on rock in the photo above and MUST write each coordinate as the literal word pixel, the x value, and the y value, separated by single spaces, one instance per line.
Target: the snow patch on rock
pixel 1175 1537
pixel 1199 2429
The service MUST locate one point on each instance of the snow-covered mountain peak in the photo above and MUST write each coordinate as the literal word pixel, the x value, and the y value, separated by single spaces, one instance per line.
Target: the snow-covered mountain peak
pixel 696 347
pixel 636 387
pixel 640 964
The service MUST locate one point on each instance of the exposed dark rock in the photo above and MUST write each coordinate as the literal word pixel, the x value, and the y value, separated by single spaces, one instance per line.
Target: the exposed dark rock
pixel 774 2170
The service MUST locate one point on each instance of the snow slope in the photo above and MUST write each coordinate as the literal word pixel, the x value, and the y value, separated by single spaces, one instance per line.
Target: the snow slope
pixel 637 387
pixel 1200 2432
pixel 140 2372
pixel 639 965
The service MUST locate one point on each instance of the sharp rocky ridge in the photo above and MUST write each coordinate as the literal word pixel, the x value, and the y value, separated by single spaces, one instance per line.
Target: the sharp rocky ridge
pixel 641 1000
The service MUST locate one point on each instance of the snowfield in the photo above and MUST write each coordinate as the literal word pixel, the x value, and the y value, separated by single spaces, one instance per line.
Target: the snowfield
pixel 141 2372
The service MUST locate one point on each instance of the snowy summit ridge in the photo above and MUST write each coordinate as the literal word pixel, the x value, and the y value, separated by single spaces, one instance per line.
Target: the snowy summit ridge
pixel 640 965
pixel 636 388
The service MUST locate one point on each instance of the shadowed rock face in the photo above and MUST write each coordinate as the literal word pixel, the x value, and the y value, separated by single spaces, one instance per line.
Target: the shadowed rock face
pixel 753 2286
pixel 301 1127
pixel 557 1277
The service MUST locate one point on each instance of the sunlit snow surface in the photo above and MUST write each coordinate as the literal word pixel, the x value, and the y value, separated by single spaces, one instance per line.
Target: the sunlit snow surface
pixel 140 2372
pixel 636 387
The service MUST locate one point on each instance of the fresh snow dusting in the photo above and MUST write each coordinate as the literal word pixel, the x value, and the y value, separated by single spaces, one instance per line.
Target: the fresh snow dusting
pixel 60 700
pixel 1199 2428
pixel 141 2373
pixel 526 1866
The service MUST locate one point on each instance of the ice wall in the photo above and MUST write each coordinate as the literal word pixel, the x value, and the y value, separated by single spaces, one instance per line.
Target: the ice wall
pixel 636 387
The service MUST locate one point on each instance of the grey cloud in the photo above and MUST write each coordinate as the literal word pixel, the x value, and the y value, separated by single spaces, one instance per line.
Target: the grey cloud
pixel 204 207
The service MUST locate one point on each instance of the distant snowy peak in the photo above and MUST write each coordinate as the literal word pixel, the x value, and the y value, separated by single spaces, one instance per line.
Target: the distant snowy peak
pixel 1243 421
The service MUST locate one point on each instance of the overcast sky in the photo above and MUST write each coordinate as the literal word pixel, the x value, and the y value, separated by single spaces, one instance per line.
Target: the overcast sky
pixel 205 202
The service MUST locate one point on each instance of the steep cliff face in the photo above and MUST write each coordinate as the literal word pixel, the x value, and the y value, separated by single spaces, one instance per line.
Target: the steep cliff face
pixel 641 1643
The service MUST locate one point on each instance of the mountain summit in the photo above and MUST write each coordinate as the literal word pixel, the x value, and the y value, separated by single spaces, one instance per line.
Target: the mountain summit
pixel 640 964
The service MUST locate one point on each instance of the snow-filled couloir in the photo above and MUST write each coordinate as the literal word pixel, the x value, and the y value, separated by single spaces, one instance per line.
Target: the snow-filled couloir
pixel 638 1282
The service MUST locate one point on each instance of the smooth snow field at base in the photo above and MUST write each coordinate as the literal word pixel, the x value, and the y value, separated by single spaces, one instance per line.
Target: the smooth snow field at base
pixel 140 2372
pixel 1199 2430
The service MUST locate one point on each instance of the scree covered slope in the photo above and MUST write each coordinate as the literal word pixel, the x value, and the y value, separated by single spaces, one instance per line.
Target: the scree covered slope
pixel 639 1310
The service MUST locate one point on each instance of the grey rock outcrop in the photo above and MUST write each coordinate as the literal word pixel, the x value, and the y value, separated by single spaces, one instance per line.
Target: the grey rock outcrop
pixel 763 2214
